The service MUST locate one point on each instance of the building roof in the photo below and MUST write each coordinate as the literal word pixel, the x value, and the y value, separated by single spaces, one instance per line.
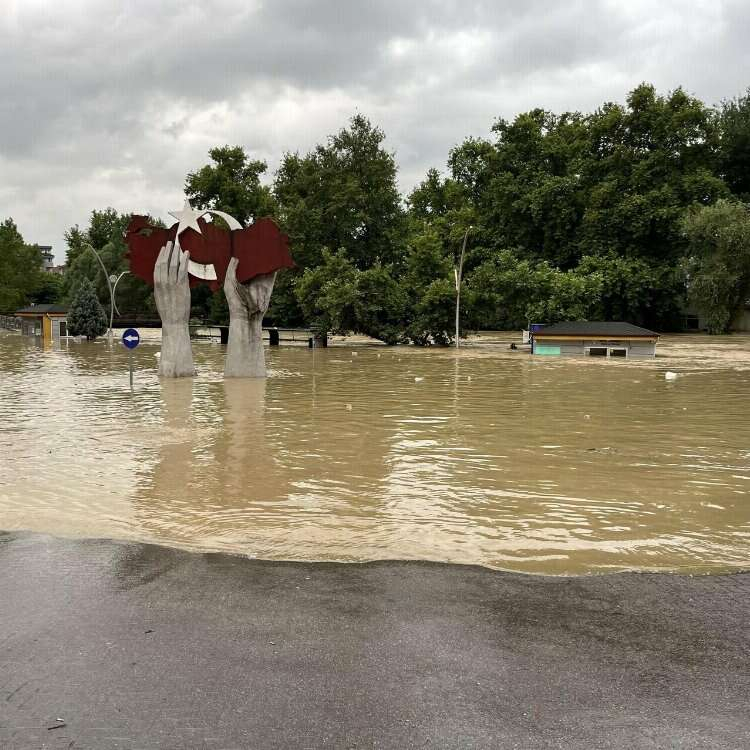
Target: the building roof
pixel 605 329
pixel 43 310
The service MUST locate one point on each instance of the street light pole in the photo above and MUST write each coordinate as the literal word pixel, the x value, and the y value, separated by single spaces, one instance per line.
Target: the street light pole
pixel 458 273
pixel 89 246
pixel 113 307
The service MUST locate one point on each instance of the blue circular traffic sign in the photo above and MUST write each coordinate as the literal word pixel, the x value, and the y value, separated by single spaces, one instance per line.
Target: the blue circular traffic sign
pixel 131 338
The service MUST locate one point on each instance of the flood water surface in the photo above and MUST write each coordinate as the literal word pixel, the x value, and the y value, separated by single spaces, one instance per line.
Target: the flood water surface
pixel 366 452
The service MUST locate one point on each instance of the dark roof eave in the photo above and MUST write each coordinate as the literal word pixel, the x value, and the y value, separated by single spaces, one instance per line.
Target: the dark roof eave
pixel 42 310
pixel 609 336
pixel 610 329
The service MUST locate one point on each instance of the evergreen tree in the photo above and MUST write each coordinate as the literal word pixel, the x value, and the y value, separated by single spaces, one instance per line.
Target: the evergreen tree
pixel 87 317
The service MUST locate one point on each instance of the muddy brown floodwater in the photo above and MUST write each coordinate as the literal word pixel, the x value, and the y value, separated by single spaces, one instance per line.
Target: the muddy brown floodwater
pixel 363 452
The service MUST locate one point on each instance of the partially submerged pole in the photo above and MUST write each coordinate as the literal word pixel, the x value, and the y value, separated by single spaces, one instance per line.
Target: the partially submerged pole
pixel 89 246
pixel 458 273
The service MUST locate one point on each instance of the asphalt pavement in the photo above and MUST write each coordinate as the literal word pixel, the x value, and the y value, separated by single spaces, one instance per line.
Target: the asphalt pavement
pixel 119 645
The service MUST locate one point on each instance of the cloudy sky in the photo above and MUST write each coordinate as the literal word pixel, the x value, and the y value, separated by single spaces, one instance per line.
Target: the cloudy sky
pixel 112 103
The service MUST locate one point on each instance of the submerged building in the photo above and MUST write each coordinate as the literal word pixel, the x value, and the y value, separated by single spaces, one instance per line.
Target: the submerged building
pixel 50 322
pixel 594 339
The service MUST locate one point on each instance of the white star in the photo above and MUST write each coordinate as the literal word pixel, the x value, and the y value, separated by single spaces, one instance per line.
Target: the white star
pixel 188 218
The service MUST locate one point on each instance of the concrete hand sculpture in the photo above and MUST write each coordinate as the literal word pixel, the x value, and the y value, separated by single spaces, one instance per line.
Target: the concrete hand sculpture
pixel 244 260
pixel 248 303
pixel 172 295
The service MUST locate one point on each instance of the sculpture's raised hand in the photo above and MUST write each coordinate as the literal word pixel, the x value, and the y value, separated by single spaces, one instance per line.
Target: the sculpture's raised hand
pixel 172 295
pixel 171 286
pixel 247 306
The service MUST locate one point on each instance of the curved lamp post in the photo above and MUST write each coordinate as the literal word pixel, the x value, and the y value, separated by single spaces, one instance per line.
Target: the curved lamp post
pixel 114 280
pixel 458 273
pixel 111 285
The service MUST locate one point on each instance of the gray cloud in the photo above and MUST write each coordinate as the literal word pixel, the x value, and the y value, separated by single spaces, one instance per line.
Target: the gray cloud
pixel 112 103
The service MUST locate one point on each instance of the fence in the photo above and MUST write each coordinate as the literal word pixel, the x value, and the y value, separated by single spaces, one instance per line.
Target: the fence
pixel 203 330
pixel 10 322
pixel 275 335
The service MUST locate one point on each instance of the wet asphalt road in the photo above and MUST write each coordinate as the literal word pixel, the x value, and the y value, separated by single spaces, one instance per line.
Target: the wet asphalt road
pixel 136 646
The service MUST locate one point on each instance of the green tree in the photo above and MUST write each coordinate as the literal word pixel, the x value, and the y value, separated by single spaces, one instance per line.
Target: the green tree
pixel 20 268
pixel 327 293
pixel 618 180
pixel 430 288
pixel 381 305
pixel 526 186
pixel 432 316
pixel 510 292
pixel 636 290
pixel 76 239
pixel 105 233
pixel 343 195
pixel 563 295
pixel 443 206
pixel 734 152
pixel 86 316
pixel 718 261
pixel 231 184
pixel 48 289
pixel 337 296
pixel 106 226
pixel 646 164
pixel 501 289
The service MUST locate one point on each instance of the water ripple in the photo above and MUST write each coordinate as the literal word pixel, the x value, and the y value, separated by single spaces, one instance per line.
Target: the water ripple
pixel 477 456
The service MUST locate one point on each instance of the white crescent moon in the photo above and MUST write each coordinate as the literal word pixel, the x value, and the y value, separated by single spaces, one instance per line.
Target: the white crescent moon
pixel 206 271
pixel 232 223
pixel 202 270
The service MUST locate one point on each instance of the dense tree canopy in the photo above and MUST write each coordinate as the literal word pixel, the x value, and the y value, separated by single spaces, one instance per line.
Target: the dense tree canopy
pixel 734 148
pixel 620 213
pixel 231 184
pixel 342 194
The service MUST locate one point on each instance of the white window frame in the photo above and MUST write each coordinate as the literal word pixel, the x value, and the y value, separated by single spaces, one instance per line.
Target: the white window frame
pixel 608 345
pixel 588 349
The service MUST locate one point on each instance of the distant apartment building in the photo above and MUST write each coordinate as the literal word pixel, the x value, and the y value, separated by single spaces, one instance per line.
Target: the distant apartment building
pixel 48 260
pixel 48 257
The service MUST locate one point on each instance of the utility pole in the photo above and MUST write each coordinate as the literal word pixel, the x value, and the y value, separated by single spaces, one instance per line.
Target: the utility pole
pixel 458 273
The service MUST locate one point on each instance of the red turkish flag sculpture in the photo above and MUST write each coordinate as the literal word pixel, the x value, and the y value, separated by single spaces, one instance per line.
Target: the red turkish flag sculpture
pixel 260 248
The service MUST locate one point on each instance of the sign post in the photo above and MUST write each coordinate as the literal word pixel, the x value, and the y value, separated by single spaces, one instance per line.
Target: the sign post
pixel 130 339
